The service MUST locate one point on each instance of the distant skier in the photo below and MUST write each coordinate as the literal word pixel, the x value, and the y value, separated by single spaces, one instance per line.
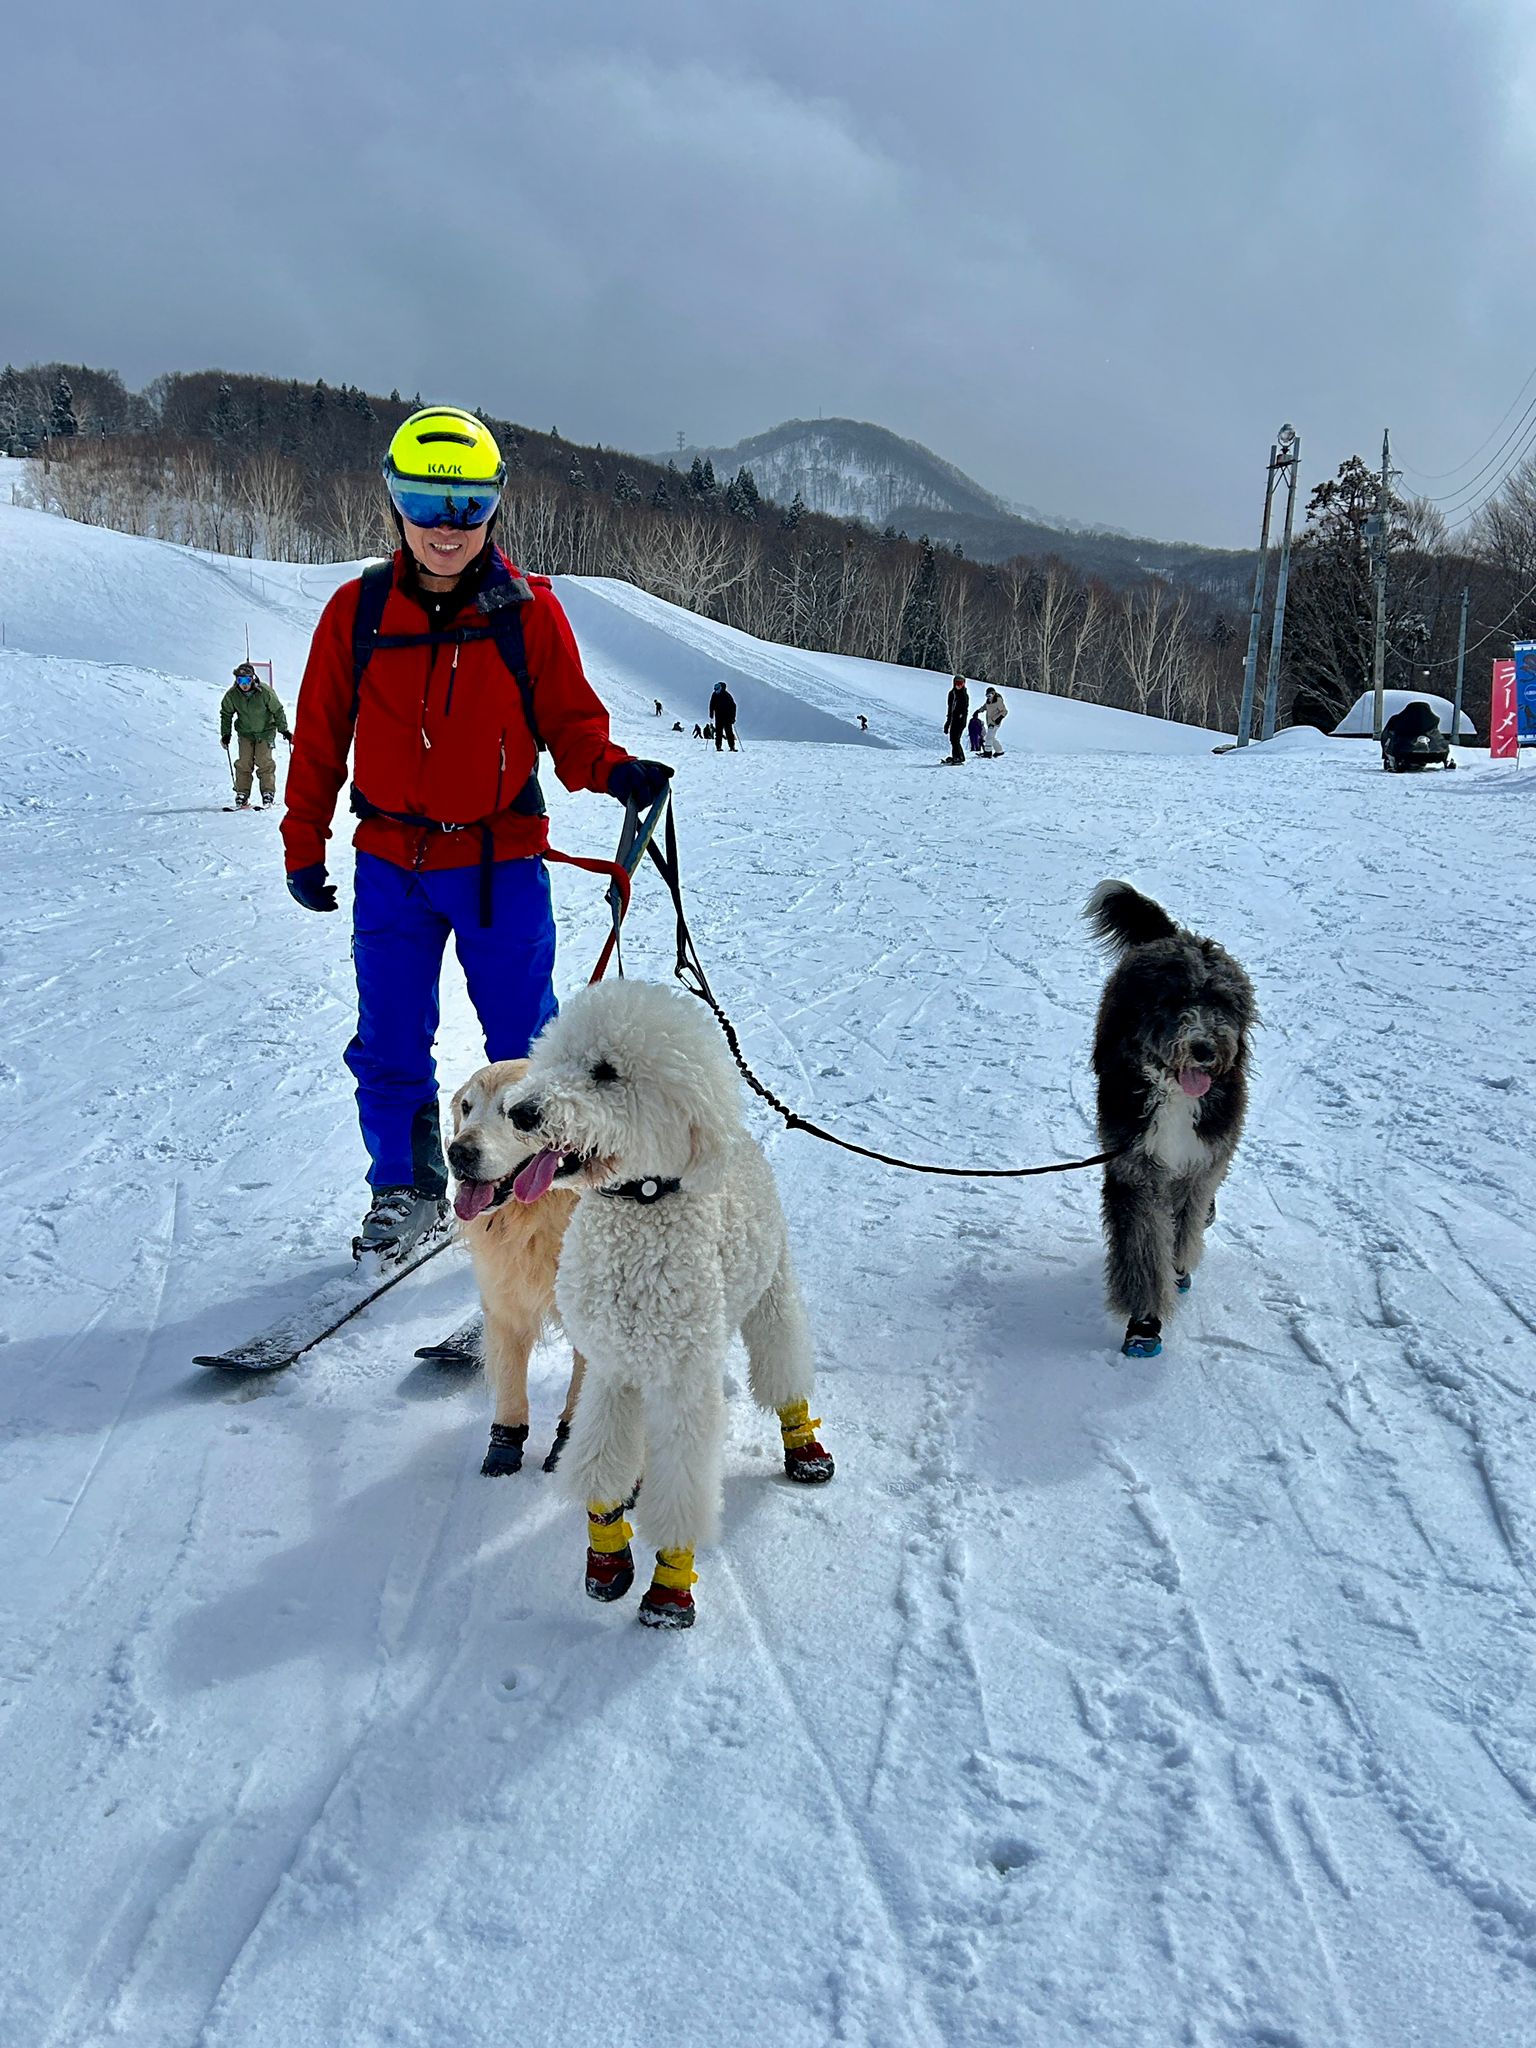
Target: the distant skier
pixel 957 712
pixel 657 702
pixel 863 723
pixel 993 712
pixel 722 715
pixel 677 725
pixel 472 665
pixel 698 730
pixel 253 711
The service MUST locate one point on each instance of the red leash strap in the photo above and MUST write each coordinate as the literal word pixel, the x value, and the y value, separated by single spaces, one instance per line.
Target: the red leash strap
pixel 620 878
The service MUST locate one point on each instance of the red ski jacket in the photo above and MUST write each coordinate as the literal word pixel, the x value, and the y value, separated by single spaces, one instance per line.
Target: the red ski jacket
pixel 439 731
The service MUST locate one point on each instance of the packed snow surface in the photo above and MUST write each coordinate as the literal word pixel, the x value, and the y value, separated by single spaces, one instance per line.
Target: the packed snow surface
pixel 1095 1702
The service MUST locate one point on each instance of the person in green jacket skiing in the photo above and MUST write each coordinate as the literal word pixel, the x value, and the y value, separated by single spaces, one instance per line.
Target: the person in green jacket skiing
pixel 253 710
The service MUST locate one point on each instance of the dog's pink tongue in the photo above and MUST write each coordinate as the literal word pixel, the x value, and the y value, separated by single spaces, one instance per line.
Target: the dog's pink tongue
pixel 472 1197
pixel 535 1178
pixel 1193 1081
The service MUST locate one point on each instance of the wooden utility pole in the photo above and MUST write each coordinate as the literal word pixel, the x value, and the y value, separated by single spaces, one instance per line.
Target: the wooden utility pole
pixel 1376 528
pixel 1461 666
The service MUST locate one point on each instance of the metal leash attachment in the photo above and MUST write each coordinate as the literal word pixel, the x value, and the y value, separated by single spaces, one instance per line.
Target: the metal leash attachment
pixel 689 970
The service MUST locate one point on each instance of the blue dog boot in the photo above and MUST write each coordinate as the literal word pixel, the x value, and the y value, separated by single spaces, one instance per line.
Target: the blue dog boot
pixel 1183 1282
pixel 1143 1338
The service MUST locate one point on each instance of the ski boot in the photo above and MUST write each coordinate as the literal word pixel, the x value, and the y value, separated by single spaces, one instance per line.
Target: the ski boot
pixel 1143 1337
pixel 668 1603
pixel 504 1454
pixel 397 1221
pixel 242 803
pixel 268 799
pixel 610 1561
pixel 804 1458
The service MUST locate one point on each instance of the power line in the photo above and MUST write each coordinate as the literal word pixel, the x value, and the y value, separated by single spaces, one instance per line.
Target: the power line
pixel 1442 476
pixel 1522 426
pixel 1449 660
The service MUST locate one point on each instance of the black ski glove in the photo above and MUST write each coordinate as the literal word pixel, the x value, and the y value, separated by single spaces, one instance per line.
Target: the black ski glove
pixel 309 887
pixel 639 782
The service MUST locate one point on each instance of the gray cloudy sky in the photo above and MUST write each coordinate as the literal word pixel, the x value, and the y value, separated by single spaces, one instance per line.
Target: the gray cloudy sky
pixel 1093 252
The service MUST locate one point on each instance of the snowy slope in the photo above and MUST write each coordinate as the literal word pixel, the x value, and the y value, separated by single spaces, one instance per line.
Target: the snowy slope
pixel 1093 1704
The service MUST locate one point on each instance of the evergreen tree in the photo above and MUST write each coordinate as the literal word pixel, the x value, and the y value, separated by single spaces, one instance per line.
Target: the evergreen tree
pixel 696 478
pixel 625 489
pixel 741 496
pixel 661 497
pixel 793 513
pixel 576 476
pixel 62 423
pixel 922 623
pixel 223 419
pixel 394 394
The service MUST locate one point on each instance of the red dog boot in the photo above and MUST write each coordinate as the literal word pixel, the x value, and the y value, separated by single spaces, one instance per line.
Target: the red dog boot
pixel 668 1603
pixel 804 1458
pixel 610 1562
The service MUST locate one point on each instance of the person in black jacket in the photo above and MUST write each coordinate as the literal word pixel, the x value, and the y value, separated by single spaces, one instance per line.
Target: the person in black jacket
pixel 957 713
pixel 722 714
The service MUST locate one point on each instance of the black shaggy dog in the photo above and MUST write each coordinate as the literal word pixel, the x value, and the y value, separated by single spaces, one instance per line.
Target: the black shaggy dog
pixel 1171 1054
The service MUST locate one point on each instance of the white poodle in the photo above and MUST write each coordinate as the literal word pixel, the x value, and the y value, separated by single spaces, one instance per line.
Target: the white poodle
pixel 678 1240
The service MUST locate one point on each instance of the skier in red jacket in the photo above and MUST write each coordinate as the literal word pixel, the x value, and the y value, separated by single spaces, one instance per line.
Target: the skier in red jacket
pixel 441 673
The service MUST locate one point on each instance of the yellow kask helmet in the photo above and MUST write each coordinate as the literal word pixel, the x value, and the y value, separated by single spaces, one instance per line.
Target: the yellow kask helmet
pixel 444 468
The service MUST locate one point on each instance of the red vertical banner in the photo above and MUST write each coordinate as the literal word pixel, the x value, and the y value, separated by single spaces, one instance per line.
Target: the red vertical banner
pixel 1503 734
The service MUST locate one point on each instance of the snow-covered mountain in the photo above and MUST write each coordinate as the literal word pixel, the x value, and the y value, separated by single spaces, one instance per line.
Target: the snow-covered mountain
pixel 850 469
pixel 1094 1705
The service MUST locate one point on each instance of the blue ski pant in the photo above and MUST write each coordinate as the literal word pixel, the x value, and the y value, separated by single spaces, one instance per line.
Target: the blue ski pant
pixel 401 923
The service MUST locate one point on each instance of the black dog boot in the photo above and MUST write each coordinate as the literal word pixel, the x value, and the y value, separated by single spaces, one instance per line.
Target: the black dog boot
pixel 505 1455
pixel 1143 1337
pixel 1183 1282
pixel 562 1437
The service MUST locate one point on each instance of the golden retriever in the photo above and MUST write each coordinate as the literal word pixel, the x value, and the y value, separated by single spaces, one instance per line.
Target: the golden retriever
pixel 516 1251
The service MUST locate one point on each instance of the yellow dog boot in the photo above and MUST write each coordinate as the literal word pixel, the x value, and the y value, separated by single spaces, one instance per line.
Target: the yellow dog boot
pixel 804 1458
pixel 668 1603
pixel 610 1561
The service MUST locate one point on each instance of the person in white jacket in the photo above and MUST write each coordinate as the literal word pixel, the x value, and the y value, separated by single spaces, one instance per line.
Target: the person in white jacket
pixel 993 712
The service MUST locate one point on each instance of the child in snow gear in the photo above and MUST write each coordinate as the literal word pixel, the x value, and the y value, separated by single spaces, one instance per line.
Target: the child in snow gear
pixel 442 674
pixel 722 716
pixel 253 710
pixel 992 714
pixel 957 712
pixel 973 732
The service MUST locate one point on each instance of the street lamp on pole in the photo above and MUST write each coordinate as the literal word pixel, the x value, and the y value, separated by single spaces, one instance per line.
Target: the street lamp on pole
pixel 1284 460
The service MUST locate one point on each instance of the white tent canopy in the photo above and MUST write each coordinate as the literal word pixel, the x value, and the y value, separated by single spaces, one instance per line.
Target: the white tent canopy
pixel 1359 721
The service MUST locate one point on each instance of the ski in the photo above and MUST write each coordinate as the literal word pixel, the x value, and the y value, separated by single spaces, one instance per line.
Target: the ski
pixel 464 1349
pixel 332 1305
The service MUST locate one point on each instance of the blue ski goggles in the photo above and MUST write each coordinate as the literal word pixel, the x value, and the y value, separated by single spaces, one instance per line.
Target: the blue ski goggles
pixel 451 502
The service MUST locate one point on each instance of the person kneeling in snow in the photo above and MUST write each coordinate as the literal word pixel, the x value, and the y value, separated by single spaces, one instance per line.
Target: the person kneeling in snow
pixel 253 710
pixel 442 673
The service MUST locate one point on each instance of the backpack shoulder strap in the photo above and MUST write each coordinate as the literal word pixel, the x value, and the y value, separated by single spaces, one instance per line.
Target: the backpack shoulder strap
pixel 373 588
pixel 502 602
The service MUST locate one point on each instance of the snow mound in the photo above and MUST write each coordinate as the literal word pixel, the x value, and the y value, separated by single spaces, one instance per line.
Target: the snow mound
pixel 1359 722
